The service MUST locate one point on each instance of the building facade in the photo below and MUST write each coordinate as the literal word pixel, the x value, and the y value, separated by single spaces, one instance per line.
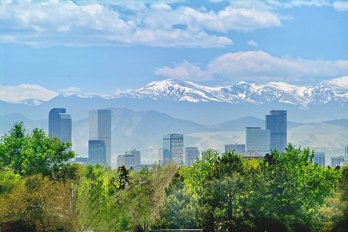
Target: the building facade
pixel 173 148
pixel 100 129
pixel 96 152
pixel 337 161
pixel 59 124
pixel 319 158
pixel 276 123
pixel 191 154
pixel 239 148
pixel 131 159
pixel 257 140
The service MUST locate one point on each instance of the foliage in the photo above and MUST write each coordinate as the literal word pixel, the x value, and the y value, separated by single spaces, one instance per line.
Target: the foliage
pixel 334 214
pixel 40 190
pixel 34 153
pixel 282 192
pixel 111 200
pixel 39 201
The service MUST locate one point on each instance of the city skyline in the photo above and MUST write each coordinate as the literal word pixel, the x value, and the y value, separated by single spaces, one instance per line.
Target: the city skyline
pixel 257 141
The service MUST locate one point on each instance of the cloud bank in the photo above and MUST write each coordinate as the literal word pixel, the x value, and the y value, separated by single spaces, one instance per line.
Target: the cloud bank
pixel 23 92
pixel 162 24
pixel 256 66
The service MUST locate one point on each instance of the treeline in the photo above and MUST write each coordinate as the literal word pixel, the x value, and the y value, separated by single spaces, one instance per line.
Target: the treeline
pixel 41 191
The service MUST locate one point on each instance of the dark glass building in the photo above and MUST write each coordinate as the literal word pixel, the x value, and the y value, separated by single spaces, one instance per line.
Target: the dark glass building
pixel 96 152
pixel 59 124
pixel 276 122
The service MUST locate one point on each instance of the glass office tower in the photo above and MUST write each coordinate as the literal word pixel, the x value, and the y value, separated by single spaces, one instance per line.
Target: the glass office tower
pixel 59 124
pixel 257 140
pixel 276 122
pixel 96 152
pixel 100 129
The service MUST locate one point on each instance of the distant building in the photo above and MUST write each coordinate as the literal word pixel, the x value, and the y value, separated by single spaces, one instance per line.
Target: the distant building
pixel 100 129
pixel 257 140
pixel 160 156
pixel 239 148
pixel 96 152
pixel 129 159
pixel 81 160
pixel 337 161
pixel 191 153
pixel 173 148
pixel 276 123
pixel 59 124
pixel 319 158
pixel 253 155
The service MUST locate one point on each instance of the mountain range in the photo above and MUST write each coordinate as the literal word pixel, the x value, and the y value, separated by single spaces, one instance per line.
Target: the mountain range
pixel 209 117
pixel 206 105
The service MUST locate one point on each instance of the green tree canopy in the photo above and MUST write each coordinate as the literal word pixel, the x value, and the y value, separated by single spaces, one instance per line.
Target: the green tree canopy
pixel 34 153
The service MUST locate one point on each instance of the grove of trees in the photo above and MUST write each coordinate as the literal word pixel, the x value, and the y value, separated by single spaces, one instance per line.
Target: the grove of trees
pixel 40 190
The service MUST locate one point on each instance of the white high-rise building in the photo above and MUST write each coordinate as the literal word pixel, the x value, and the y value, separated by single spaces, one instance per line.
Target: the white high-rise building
pixel 173 148
pixel 100 129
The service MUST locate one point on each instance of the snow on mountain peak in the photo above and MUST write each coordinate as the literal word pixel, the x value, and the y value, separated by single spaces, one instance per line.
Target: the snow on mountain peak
pixel 341 82
pixel 239 93
pixel 247 92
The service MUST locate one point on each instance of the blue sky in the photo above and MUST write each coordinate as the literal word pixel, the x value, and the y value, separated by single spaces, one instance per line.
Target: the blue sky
pixel 105 47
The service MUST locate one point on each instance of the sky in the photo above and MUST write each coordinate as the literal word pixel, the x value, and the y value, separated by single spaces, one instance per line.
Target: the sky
pixel 106 47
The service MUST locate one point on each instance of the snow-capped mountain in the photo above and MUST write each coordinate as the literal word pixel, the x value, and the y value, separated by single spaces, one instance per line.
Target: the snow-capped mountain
pixel 179 91
pixel 203 104
pixel 246 92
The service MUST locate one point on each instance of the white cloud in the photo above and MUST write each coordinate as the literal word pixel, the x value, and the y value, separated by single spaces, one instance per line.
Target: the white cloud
pixel 252 43
pixel 45 23
pixel 22 92
pixel 272 4
pixel 257 66
pixel 183 71
pixel 341 5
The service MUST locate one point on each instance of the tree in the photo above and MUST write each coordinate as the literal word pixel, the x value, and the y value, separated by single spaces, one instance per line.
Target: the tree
pixel 34 153
pixel 283 192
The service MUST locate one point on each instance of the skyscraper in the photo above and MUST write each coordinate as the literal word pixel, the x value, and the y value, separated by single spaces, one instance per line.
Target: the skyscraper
pixel 59 124
pixel 191 153
pixel 100 129
pixel 276 122
pixel 257 140
pixel 173 148
pixel 96 152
